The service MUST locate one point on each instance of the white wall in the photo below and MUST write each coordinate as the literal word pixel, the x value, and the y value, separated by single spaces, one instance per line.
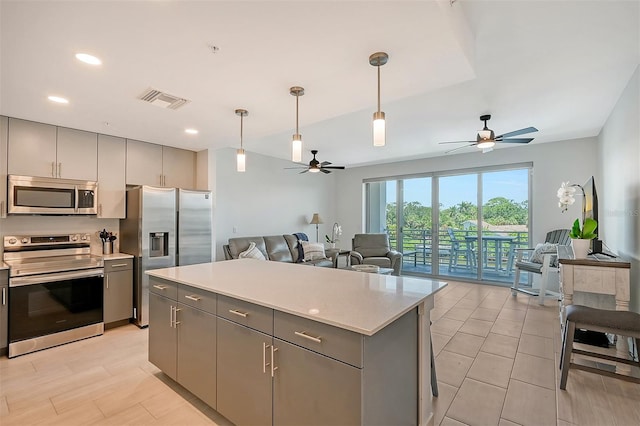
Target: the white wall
pixel 619 187
pixel 269 200
pixel 573 160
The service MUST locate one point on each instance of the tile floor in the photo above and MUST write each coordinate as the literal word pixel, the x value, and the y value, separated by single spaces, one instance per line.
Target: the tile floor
pixel 496 361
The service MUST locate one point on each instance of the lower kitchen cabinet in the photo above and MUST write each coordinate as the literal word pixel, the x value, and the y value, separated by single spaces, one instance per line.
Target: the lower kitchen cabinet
pixel 244 374
pixel 182 343
pixel 118 290
pixel 314 389
pixel 4 311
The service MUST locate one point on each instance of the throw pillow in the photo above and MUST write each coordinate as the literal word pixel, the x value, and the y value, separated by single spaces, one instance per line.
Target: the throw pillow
pixel 312 251
pixel 252 252
pixel 543 248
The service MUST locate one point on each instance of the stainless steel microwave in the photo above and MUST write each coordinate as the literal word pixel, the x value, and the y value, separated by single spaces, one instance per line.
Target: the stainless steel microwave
pixel 50 196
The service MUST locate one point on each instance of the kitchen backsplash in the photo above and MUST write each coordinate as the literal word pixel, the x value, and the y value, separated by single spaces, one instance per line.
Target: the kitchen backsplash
pixel 50 225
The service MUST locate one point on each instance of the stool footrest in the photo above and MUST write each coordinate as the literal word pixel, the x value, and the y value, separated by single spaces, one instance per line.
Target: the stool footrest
pixel 603 356
pixel 605 372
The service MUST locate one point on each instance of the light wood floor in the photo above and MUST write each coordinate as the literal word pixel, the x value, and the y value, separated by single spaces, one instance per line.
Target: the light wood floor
pixel 496 361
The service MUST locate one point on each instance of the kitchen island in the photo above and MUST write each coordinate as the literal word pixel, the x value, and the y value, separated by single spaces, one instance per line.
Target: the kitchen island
pixel 275 343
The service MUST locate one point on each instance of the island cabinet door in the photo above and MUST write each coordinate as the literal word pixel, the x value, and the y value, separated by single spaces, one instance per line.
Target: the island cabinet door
pixel 162 334
pixel 313 389
pixel 197 352
pixel 244 374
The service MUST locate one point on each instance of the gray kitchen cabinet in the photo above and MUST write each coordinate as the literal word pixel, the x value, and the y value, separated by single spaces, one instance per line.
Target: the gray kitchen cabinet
pixel 4 311
pixel 118 290
pixel 112 157
pixel 77 154
pixel 244 374
pixel 183 341
pixel 163 340
pixel 157 165
pixel 4 130
pixel 314 389
pixel 37 149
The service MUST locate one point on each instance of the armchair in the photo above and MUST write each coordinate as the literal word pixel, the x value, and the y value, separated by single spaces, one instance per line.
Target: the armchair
pixel 544 268
pixel 375 249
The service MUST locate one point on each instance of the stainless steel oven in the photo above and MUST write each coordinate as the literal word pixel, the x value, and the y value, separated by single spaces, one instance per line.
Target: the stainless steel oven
pixel 50 196
pixel 55 291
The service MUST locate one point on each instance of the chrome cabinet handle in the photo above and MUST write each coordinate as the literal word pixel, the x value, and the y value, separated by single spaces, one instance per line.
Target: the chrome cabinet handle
pixel 306 336
pixel 120 265
pixel 4 296
pixel 160 287
pixel 273 361
pixel 53 169
pixel 175 314
pixel 194 298
pixel 171 316
pixel 107 280
pixel 240 314
pixel 59 170
pixel 265 364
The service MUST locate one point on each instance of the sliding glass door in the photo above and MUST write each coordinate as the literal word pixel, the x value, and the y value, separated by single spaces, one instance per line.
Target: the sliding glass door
pixel 482 216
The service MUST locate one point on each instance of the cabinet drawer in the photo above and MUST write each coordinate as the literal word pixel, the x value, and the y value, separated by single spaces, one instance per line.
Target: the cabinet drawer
pixel 163 288
pixel 197 298
pixel 245 313
pixel 117 265
pixel 328 340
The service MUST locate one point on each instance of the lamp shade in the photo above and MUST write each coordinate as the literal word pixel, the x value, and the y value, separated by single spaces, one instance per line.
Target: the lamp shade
pixel 316 219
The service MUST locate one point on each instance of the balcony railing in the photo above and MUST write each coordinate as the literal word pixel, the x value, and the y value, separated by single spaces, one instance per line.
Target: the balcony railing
pixel 459 251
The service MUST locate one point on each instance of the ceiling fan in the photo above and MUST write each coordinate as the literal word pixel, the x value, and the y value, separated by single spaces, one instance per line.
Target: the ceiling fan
pixel 315 166
pixel 486 138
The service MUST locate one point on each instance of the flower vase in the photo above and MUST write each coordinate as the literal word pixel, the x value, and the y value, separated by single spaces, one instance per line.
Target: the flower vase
pixel 580 248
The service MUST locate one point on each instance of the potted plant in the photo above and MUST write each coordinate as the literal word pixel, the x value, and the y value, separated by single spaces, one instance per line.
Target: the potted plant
pixel 335 235
pixel 581 237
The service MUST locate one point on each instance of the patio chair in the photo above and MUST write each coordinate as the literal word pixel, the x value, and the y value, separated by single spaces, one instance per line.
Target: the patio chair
pixel 543 260
pixel 460 249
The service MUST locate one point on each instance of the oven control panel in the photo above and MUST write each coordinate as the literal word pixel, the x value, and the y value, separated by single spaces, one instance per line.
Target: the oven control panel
pixel 14 241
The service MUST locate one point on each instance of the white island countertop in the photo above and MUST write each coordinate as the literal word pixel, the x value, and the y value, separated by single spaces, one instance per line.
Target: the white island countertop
pixel 361 302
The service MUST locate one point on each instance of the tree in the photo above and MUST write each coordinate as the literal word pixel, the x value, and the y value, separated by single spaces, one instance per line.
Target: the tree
pixel 501 211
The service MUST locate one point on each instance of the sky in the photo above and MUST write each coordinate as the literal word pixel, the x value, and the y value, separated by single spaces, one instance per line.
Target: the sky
pixel 511 184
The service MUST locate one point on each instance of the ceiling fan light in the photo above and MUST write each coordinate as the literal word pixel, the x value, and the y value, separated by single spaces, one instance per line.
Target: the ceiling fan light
pixel 240 160
pixel 296 148
pixel 379 129
pixel 486 144
pixel 485 135
pixel 314 169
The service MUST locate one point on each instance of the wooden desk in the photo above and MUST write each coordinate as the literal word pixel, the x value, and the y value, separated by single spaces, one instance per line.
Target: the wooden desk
pixel 596 275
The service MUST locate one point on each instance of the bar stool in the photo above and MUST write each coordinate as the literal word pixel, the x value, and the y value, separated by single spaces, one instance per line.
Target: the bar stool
pixel 616 322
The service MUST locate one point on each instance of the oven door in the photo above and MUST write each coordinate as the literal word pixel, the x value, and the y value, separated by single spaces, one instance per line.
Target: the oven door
pixel 44 304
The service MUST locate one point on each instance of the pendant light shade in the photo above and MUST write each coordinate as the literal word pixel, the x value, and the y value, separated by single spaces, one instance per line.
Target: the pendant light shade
pixel 240 155
pixel 379 129
pixel 296 143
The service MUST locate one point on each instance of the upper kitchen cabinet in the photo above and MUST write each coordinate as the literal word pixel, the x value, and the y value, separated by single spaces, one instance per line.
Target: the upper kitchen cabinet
pixel 112 153
pixel 37 149
pixel 157 165
pixel 4 121
pixel 178 167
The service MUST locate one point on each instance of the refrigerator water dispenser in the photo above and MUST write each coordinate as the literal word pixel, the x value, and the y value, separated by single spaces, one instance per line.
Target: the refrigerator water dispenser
pixel 158 244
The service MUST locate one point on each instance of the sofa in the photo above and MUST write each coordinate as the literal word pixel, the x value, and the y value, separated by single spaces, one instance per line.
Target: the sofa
pixel 279 248
pixel 374 249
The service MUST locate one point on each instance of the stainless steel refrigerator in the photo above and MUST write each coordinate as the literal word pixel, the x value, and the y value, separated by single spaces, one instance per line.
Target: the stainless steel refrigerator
pixel 150 234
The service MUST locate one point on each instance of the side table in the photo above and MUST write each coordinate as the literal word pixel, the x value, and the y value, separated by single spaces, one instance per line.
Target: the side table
pixel 335 254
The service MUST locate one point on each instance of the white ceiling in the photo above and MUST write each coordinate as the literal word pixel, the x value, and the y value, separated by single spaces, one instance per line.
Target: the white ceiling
pixel 557 65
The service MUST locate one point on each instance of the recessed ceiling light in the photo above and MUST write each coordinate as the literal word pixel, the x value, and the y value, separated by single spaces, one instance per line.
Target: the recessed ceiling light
pixel 88 59
pixel 191 131
pixel 58 99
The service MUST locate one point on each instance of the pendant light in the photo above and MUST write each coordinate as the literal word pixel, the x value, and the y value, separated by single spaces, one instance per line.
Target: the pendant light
pixel 379 133
pixel 296 143
pixel 241 157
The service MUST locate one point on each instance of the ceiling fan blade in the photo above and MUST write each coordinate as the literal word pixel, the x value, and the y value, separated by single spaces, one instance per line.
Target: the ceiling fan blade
pixel 325 171
pixel 325 163
pixel 334 167
pixel 304 171
pixel 460 147
pixel 523 140
pixel 517 132
pixel 458 142
pixel 301 167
